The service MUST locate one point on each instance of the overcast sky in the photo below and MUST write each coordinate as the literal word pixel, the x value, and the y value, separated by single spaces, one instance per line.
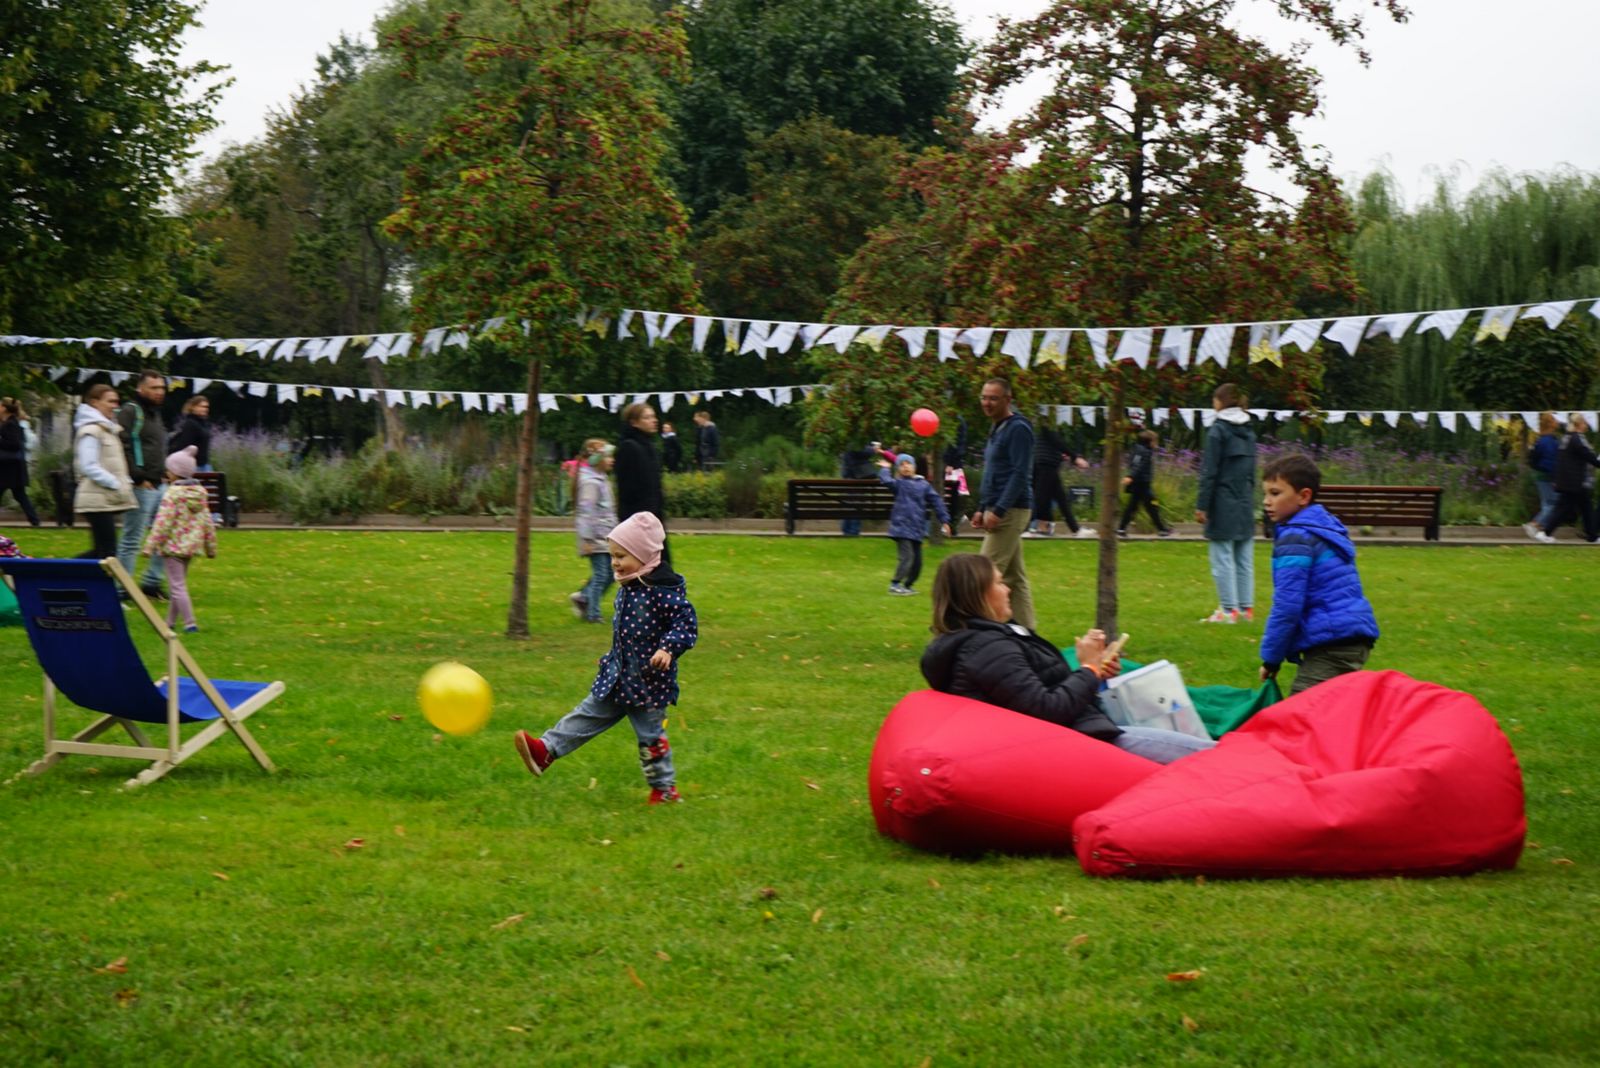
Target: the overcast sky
pixel 1465 85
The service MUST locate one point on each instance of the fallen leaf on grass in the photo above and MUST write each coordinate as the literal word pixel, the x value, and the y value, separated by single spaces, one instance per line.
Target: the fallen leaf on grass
pixel 769 892
pixel 811 785
pixel 1185 977
pixel 399 831
pixel 222 875
pixel 767 916
pixel 593 783
pixel 1078 940
pixel 633 977
pixel 117 896
pixel 816 916
pixel 662 955
pixel 518 1030
pixel 934 883
pixel 397 719
pixel 356 843
pixel 116 967
pixel 1564 862
pixel 514 918
pixel 1190 1025
pixel 127 996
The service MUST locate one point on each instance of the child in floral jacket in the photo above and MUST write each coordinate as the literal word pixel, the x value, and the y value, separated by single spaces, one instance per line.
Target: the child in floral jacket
pixel 652 625
pixel 182 530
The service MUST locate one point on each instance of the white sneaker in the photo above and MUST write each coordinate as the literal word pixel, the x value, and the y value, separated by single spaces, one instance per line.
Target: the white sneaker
pixel 1531 530
pixel 1222 615
pixel 1033 534
pixel 579 601
pixel 1086 532
pixel 1540 535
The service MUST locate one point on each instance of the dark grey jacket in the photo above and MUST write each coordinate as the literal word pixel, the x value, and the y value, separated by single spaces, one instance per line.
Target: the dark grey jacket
pixel 145 442
pixel 1228 481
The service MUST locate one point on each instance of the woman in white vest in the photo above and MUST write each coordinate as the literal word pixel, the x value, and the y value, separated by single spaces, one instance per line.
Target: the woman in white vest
pixel 104 489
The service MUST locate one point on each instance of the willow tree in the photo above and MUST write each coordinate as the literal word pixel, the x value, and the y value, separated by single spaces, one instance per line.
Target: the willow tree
pixel 541 199
pixel 1124 198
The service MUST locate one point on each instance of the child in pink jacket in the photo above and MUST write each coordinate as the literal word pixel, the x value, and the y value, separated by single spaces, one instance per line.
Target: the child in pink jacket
pixel 182 530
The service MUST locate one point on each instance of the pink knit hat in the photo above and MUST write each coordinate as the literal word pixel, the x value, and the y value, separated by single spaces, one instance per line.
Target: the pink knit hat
pixel 642 537
pixel 181 464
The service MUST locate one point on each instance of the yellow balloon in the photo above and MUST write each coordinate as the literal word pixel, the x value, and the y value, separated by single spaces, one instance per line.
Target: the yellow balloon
pixel 455 698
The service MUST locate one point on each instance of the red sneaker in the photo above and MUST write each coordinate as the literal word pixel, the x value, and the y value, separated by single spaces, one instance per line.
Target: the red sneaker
pixel 1249 615
pixel 533 752
pixel 662 797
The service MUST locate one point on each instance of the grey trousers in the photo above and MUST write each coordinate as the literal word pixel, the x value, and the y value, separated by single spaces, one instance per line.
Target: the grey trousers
pixel 596 715
pixel 1326 661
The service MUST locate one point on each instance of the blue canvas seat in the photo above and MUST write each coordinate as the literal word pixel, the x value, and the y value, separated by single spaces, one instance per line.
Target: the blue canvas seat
pixel 79 631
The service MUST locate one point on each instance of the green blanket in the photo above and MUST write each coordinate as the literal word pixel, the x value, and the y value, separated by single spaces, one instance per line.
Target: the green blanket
pixel 10 614
pixel 1221 708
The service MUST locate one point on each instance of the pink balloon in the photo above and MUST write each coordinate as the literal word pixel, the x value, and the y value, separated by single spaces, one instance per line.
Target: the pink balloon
pixel 924 422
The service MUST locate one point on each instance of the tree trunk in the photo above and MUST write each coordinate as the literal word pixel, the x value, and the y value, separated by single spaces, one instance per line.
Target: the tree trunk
pixel 1105 614
pixel 517 614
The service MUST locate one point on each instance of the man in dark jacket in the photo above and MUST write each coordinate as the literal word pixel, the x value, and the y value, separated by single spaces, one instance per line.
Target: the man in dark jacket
pixel 145 445
pixel 637 469
pixel 857 463
pixel 1574 481
pixel 1049 453
pixel 1226 506
pixel 671 449
pixel 708 441
pixel 1005 503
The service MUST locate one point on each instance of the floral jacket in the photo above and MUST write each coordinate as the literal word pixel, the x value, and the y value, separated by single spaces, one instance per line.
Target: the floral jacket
pixel 183 523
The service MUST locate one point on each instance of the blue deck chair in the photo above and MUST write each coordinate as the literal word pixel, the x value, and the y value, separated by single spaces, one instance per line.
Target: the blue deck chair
pixel 79 632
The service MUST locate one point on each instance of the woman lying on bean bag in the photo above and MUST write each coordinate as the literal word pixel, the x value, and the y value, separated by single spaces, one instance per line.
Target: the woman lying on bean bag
pixel 979 653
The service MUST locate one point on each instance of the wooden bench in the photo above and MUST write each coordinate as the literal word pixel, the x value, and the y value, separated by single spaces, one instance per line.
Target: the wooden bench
pixel 1386 506
pixel 845 498
pixel 216 484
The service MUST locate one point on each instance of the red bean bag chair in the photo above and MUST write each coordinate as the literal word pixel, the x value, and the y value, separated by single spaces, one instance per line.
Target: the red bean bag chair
pixel 959 776
pixel 1368 774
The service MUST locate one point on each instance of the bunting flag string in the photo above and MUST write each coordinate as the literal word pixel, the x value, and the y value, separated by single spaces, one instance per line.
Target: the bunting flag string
pixel 1026 345
pixel 779 396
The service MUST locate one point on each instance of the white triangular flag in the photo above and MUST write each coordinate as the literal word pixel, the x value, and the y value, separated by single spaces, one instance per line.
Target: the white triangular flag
pixel 839 337
pixel 1337 417
pixel 1552 312
pixel 664 402
pixel 1135 345
pixel 200 385
pixel 547 402
pixel 1216 344
pixel 1530 420
pixel 1446 322
pixel 1097 342
pixel 622 326
pixel 286 393
pixel 915 338
pixel 258 389
pixel 400 346
pixel 702 329
pixel 1176 343
pixel 976 338
pixel 1187 415
pixel 652 326
pixel 669 322
pixel 1394 325
pixel 1089 413
pixel 755 338
pixel 782 395
pixel 1019 346
pixel 1391 417
pixel 519 403
pixel 420 398
pixel 366 394
pixel 1302 333
pixel 394 398
pixel 1474 419
pixel 1447 420
pixel 811 333
pixel 1347 332
pixel 433 339
pixel 343 393
pixel 119 377
pixel 782 337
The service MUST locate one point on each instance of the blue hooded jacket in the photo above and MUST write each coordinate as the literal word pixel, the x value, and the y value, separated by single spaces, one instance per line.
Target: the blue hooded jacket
pixel 914 497
pixel 1316 592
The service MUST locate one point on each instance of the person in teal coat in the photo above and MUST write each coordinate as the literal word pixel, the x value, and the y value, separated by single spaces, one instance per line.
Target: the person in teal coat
pixel 1226 505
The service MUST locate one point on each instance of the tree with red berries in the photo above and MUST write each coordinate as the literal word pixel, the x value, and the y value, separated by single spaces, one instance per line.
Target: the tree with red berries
pixel 539 205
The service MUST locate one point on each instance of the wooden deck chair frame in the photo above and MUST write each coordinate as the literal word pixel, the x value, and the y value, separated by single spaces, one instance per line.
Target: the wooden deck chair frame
pixel 177 750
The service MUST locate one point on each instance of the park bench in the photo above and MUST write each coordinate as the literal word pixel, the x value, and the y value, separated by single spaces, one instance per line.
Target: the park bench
pixel 1386 506
pixel 217 498
pixel 846 498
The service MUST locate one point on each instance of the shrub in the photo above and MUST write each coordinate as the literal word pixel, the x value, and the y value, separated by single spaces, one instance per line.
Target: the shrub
pixel 695 495
pixel 741 487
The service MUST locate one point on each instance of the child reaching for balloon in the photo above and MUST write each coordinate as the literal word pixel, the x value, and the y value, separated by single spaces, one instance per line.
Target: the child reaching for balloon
pixel 182 530
pixel 652 625
pixel 914 498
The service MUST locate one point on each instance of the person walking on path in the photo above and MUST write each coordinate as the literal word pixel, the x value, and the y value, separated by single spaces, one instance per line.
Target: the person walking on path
pixel 1005 499
pixel 596 514
pixel 638 469
pixel 105 489
pixel 1049 453
pixel 182 530
pixel 1542 459
pixel 14 456
pixel 707 441
pixel 1226 505
pixel 1574 483
pixel 1140 483
pixel 146 448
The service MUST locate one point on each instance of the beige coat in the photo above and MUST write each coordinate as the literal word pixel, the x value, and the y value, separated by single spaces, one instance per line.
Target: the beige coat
pixel 93 497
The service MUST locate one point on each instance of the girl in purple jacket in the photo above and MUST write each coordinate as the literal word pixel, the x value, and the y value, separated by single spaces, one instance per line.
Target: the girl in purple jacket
pixel 652 625
pixel 914 498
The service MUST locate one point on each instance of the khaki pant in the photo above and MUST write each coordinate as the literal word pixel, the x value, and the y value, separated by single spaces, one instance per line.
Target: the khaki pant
pixel 1003 547
pixel 1326 661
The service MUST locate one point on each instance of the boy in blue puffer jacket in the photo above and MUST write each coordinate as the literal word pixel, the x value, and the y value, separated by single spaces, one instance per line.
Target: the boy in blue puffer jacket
pixel 1320 618
pixel 914 497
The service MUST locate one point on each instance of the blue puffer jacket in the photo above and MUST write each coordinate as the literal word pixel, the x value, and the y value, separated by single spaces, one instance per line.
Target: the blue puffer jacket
pixel 1316 592
pixel 912 498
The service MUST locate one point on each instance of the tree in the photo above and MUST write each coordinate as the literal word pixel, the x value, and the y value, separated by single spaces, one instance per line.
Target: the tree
pixel 873 67
pixel 542 198
pixel 1533 368
pixel 1123 197
pixel 96 114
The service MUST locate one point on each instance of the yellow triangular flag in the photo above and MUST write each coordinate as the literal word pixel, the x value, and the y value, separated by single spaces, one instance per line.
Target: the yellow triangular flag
pixel 1264 351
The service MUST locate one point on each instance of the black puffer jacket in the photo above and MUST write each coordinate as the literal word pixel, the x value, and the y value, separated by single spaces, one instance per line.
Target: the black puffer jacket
pixel 638 472
pixel 1012 667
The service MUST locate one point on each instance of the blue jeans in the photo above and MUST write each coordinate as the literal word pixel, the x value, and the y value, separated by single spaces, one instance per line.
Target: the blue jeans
pixel 1158 745
pixel 595 715
pixel 850 527
pixel 1547 501
pixel 1233 569
pixel 135 521
pixel 600 579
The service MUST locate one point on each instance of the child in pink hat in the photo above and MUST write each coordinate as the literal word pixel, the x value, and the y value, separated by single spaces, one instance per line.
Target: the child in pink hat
pixel 182 530
pixel 652 625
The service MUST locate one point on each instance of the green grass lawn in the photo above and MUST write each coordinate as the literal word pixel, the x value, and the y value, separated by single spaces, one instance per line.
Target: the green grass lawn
pixel 491 918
